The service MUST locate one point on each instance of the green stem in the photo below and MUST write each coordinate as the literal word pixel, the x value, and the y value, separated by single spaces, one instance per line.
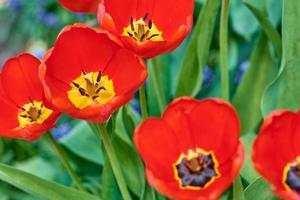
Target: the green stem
pixel 143 102
pixel 224 49
pixel 157 86
pixel 114 162
pixel 65 161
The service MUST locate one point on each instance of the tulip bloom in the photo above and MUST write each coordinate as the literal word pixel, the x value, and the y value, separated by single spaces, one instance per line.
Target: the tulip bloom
pixel 276 153
pixel 85 6
pixel 23 113
pixel 88 75
pixel 149 28
pixel 194 151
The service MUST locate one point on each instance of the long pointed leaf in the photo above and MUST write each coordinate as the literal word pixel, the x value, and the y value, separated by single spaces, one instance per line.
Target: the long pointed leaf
pixel 39 187
pixel 195 58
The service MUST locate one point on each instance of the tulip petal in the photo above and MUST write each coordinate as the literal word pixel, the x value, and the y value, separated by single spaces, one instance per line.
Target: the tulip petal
pixel 20 79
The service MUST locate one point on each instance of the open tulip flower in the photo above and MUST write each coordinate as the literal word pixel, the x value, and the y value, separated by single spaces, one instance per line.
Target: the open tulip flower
pixel 88 75
pixel 276 153
pixel 82 6
pixel 149 28
pixel 23 113
pixel 193 151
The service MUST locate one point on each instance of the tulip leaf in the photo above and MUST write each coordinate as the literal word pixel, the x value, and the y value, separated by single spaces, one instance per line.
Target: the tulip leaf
pixel 261 72
pixel 238 190
pixel 283 93
pixel 259 189
pixel 248 172
pixel 39 187
pixel 131 164
pixel 148 193
pixel 109 185
pixel 127 121
pixel 83 142
pixel 195 58
pixel 258 8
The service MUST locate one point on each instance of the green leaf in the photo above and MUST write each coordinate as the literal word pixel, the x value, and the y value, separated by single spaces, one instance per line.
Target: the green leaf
pixel 248 172
pixel 195 58
pixel 40 187
pixel 259 189
pixel 261 72
pixel 109 186
pixel 283 93
pixel 132 165
pixel 238 190
pixel 148 193
pixel 258 8
pixel 127 122
pixel 83 142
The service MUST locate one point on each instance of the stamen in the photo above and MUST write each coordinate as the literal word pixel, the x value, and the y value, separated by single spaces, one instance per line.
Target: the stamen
pixel 33 112
pixel 145 17
pixel 196 170
pixel 90 88
pixel 140 31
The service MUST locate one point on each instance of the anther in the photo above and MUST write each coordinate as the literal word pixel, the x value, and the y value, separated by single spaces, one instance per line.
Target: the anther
pixel 145 17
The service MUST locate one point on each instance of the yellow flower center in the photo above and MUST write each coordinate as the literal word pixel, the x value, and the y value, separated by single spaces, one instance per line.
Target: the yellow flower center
pixel 91 88
pixel 33 112
pixel 141 31
pixel 196 170
pixel 291 176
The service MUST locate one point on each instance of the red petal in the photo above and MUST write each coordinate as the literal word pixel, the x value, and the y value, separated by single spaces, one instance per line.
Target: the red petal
pixel 169 16
pixel 79 48
pixel 150 137
pixel 272 149
pixel 20 80
pixel 176 117
pixel 120 12
pixel 215 126
pixel 8 116
pixel 127 71
pixel 89 6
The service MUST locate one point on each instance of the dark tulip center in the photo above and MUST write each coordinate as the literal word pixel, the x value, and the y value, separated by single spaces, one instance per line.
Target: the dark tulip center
pixel 291 177
pixel 196 170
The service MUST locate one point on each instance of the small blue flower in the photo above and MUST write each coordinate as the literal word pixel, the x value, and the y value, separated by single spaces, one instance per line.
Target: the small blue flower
pixel 136 106
pixel 15 5
pixel 48 18
pixel 240 74
pixel 61 131
pixel 208 77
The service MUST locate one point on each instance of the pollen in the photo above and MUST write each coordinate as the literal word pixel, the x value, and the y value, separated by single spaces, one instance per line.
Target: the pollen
pixel 33 112
pixel 91 88
pixel 196 170
pixel 142 30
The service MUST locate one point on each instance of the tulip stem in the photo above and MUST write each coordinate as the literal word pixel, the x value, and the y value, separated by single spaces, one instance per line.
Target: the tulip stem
pixel 114 161
pixel 143 102
pixel 162 102
pixel 61 153
pixel 224 49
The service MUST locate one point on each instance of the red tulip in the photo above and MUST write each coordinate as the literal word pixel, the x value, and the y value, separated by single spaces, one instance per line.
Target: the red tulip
pixel 23 113
pixel 193 151
pixel 85 6
pixel 148 27
pixel 276 153
pixel 88 75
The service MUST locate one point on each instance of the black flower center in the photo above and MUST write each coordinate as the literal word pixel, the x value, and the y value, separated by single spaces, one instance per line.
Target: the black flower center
pixel 291 177
pixel 196 170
